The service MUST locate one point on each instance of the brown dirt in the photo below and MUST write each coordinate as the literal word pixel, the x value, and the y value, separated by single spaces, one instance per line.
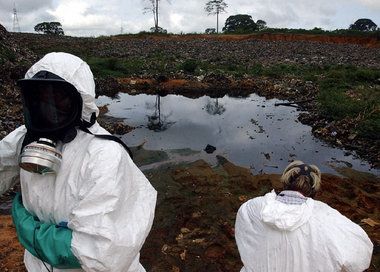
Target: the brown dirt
pixel 11 251
pixel 194 223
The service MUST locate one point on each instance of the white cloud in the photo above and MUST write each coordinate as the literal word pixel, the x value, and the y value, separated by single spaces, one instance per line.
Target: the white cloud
pixel 92 18
pixel 26 11
pixel 372 4
pixel 24 6
pixel 99 17
pixel 176 21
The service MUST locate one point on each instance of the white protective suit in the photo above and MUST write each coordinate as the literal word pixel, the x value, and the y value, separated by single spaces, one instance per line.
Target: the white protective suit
pixel 273 236
pixel 106 200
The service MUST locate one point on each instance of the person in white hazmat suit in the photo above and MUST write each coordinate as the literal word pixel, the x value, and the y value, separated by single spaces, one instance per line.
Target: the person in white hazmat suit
pixel 84 205
pixel 291 232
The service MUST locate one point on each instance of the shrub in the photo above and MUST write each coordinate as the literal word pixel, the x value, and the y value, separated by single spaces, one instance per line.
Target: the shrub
pixel 190 65
pixel 119 68
pixel 335 104
pixel 6 54
pixel 369 128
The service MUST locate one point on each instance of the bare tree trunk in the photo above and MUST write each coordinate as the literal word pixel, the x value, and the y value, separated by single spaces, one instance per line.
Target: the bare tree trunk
pixel 217 22
pixel 156 21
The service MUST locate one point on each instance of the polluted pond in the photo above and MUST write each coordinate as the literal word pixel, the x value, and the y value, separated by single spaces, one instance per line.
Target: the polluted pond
pixel 207 156
pixel 251 132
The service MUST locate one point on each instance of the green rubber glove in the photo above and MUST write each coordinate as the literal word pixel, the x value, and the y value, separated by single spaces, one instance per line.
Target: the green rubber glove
pixel 50 243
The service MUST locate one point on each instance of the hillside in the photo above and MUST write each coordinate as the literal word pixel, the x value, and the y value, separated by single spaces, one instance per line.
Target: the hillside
pixel 194 65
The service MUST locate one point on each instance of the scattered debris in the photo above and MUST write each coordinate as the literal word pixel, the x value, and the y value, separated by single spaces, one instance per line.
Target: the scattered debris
pixel 210 149
pixel 370 222
pixel 294 103
pixel 267 156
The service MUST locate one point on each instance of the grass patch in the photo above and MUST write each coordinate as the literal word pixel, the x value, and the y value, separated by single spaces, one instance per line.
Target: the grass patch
pixel 114 67
pixel 335 104
pixel 354 93
pixel 370 127
pixel 349 76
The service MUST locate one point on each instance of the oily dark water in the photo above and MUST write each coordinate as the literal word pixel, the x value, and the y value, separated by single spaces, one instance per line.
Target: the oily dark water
pixel 251 132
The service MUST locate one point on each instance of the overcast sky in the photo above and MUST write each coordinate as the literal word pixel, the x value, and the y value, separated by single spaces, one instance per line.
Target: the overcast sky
pixel 93 18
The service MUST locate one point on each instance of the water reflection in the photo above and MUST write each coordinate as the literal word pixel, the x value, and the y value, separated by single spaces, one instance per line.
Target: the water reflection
pixel 213 107
pixel 251 132
pixel 156 121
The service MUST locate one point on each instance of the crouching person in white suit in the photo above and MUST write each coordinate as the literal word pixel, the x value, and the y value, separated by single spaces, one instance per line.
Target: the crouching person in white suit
pixel 291 232
pixel 84 205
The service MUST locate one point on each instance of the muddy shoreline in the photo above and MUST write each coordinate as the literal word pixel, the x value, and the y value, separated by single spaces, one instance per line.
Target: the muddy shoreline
pixel 299 94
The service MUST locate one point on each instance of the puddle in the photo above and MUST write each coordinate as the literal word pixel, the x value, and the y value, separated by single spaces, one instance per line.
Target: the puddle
pixel 251 132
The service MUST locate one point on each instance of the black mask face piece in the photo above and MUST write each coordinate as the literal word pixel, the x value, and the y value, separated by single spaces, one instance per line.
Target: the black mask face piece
pixel 52 106
pixel 52 109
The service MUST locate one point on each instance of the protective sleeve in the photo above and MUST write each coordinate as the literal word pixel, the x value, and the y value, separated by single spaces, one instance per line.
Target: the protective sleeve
pixel 349 242
pixel 115 212
pixel 10 148
pixel 248 231
pixel 50 243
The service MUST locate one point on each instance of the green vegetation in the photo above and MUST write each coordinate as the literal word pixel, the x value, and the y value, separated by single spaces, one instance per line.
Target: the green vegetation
pixel 6 54
pixel 239 24
pixel 51 28
pixel 114 67
pixel 364 24
pixel 190 65
pixel 354 93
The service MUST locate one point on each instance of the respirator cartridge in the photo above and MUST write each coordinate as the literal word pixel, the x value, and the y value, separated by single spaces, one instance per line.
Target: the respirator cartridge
pixel 43 157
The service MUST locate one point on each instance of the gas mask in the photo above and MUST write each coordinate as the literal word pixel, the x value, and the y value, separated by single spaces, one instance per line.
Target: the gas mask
pixel 52 109
pixel 42 157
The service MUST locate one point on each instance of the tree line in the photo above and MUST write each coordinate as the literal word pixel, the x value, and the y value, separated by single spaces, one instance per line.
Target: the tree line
pixel 235 24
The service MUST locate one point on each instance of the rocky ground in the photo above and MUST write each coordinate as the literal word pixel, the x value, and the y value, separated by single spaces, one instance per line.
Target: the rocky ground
pixel 188 233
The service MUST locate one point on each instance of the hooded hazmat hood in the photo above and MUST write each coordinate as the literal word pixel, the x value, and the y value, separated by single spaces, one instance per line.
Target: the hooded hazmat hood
pixel 73 70
pixel 274 236
pixel 285 217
